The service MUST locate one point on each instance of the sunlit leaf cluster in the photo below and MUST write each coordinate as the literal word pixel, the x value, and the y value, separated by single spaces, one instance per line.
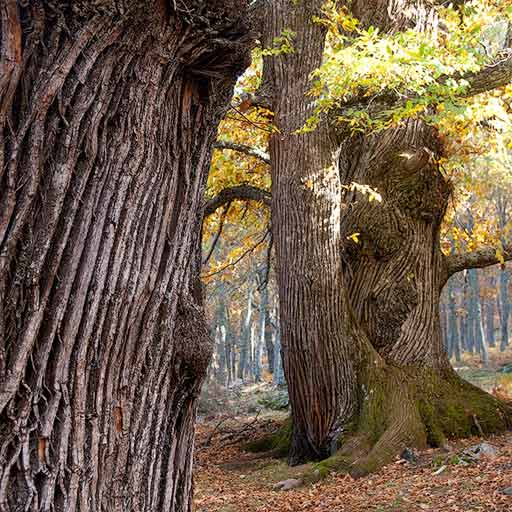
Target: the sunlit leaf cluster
pixel 421 69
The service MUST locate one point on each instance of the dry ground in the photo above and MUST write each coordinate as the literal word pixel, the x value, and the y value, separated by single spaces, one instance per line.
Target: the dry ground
pixel 228 479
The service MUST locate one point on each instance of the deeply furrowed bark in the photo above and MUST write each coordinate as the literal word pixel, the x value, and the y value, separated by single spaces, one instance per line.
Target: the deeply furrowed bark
pixel 395 275
pixel 360 321
pixel 319 349
pixel 108 111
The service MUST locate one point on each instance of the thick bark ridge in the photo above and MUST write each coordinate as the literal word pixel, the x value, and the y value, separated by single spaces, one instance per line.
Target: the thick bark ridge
pixel 108 112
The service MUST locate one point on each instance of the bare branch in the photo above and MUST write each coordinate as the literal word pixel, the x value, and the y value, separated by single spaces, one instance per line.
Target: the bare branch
pixel 241 257
pixel 481 258
pixel 219 232
pixel 241 192
pixel 243 148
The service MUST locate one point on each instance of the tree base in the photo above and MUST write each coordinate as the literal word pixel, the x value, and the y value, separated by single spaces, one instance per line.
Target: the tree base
pixel 410 408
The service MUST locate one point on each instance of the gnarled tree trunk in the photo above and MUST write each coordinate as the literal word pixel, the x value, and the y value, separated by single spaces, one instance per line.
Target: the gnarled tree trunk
pixel 395 274
pixel 108 111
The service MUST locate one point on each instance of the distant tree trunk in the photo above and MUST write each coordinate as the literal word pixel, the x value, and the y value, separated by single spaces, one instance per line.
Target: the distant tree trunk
pixel 245 338
pixel 234 349
pixel 258 346
pixel 489 314
pixel 261 337
pixel 221 334
pixel 444 327
pixel 361 338
pixel 504 308
pixel 228 347
pixel 453 330
pixel 463 327
pixel 224 348
pixel 504 304
pixel 278 377
pixel 269 342
pixel 108 111
pixel 476 311
pixel 471 314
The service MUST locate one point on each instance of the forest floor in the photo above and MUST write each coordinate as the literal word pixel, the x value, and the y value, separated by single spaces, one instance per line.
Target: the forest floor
pixel 230 479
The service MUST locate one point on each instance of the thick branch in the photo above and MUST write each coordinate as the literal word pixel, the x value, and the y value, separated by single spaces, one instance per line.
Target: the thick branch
pixel 492 76
pixel 241 192
pixel 481 258
pixel 242 148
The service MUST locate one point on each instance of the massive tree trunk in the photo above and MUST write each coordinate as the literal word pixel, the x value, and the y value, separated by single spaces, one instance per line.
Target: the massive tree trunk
pixel 108 111
pixel 395 274
pixel 318 353
pixel 363 351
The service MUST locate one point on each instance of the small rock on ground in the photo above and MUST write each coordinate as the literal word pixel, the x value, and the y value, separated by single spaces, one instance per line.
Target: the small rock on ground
pixel 481 450
pixel 286 485
pixel 409 456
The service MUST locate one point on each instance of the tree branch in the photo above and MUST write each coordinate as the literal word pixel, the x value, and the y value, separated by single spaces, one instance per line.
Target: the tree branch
pixel 219 232
pixel 494 75
pixel 262 98
pixel 241 192
pixel 481 258
pixel 241 257
pixel 243 148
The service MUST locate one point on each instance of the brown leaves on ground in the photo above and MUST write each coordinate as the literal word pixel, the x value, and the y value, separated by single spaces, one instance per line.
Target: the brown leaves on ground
pixel 227 479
